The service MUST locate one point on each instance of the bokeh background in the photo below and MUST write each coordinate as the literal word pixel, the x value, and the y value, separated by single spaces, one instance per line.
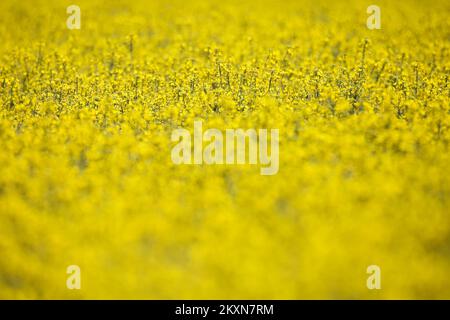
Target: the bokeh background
pixel 86 176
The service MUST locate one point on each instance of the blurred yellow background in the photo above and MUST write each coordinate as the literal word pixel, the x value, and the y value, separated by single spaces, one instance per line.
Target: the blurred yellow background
pixel 85 171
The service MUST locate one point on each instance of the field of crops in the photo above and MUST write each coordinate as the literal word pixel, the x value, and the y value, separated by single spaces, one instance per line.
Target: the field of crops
pixel 86 176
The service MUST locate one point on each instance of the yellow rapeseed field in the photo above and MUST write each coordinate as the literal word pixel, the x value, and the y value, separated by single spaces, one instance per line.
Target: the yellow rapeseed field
pixel 86 176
